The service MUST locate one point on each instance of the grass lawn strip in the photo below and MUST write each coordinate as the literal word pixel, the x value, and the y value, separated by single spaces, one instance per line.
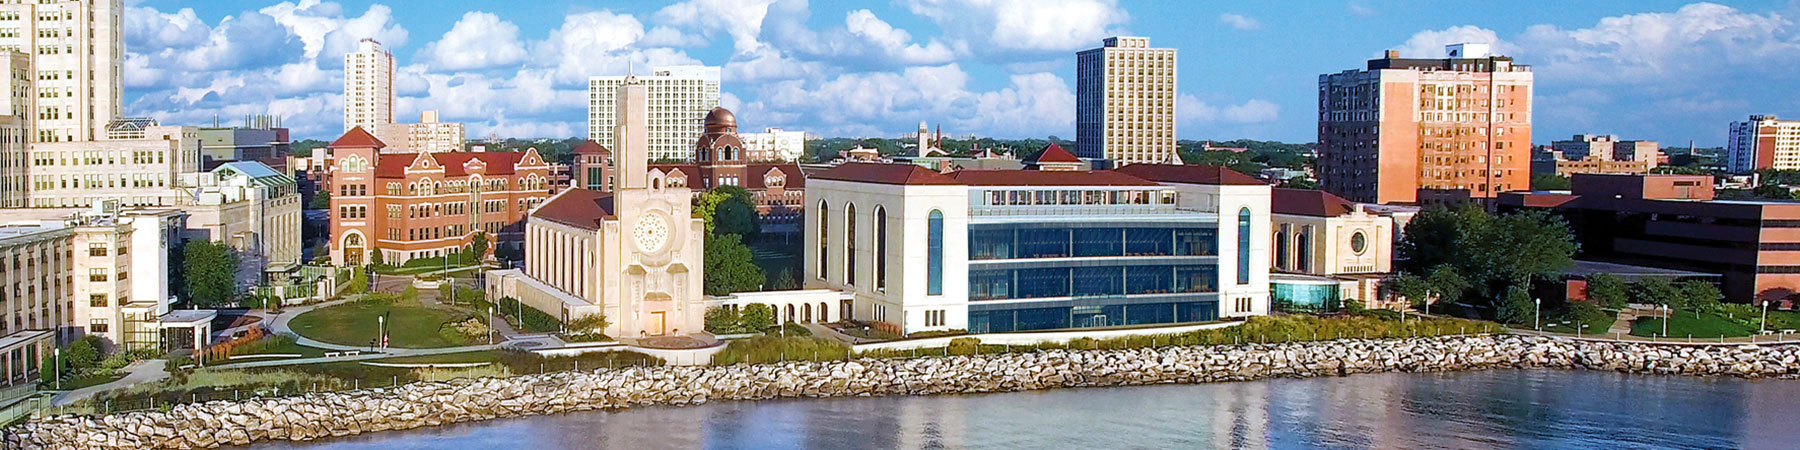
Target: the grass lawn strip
pixel 355 323
pixel 1684 323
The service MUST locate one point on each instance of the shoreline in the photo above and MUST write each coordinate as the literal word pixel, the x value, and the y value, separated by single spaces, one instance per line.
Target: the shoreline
pixel 324 415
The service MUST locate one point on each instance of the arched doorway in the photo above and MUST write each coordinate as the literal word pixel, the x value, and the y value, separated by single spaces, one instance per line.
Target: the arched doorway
pixel 806 313
pixel 353 248
pixel 823 316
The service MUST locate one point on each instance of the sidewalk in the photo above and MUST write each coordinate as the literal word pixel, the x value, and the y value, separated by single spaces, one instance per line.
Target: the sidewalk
pixel 365 356
pixel 146 371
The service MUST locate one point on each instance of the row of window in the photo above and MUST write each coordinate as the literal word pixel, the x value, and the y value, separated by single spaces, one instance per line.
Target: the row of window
pixel 934 278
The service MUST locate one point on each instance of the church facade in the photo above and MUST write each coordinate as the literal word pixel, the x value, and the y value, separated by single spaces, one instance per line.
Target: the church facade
pixel 633 253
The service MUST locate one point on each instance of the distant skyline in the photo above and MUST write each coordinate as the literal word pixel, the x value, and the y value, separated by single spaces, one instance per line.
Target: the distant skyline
pixel 1651 69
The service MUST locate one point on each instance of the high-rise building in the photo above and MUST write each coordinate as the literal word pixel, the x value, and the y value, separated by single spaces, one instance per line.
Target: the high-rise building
pixel 427 136
pixel 680 98
pixel 1125 102
pixel 75 49
pixel 1405 128
pixel 368 87
pixel 1583 146
pixel 1763 142
pixel 15 129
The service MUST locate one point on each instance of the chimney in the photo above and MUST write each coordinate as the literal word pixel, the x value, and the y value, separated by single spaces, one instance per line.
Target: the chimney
pixel 1393 54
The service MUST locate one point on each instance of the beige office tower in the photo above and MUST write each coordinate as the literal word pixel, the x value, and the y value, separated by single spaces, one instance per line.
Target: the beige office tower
pixel 1125 102
pixel 15 129
pixel 75 50
pixel 368 87
pixel 680 98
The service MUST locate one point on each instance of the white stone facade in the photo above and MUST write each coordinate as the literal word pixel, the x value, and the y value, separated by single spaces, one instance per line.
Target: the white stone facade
pixel 774 145
pixel 76 49
pixel 137 172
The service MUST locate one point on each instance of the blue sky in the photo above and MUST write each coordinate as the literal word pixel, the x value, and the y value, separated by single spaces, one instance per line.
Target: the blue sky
pixel 1646 69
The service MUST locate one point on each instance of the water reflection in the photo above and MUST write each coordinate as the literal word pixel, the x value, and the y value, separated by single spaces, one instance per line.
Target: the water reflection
pixel 1494 409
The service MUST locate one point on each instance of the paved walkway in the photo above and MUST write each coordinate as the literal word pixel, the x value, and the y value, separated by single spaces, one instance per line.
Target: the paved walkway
pixel 365 356
pixel 140 372
pixel 280 325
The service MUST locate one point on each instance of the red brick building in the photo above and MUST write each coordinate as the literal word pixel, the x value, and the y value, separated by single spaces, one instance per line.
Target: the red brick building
pixel 719 159
pixel 421 205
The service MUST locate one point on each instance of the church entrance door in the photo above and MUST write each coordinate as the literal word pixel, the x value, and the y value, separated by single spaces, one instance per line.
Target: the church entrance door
pixel 655 326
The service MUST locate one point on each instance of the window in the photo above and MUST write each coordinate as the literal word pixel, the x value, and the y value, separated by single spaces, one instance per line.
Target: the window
pixel 850 244
pixel 1281 248
pixel 96 249
pixel 97 326
pixel 97 300
pixel 824 235
pixel 1243 247
pixel 881 248
pixel 96 274
pixel 934 259
pixel 1303 250
pixel 1359 242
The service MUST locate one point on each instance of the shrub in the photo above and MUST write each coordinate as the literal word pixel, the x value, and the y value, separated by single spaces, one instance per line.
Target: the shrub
pixel 533 319
pixel 938 333
pixel 84 353
pixel 790 329
pixel 756 316
pixel 410 294
pixel 270 344
pixel 767 349
pixel 720 320
pixel 965 346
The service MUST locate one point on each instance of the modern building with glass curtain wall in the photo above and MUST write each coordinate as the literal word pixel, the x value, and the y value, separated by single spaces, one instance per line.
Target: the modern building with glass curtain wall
pixel 1017 250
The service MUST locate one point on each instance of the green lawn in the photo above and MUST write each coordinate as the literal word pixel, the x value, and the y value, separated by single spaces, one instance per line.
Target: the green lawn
pixel 1596 326
pixel 1684 323
pixel 410 325
pixel 288 348
pixel 89 380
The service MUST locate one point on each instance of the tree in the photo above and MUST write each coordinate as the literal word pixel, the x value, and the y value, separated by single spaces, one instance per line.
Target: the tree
pixel 784 280
pixel 1657 291
pixel 1517 307
pixel 1489 253
pixel 1608 290
pixel 1773 192
pixel 478 248
pixel 210 270
pixel 1414 289
pixel 730 267
pixel 1300 183
pixel 376 260
pixel 1699 295
pixel 757 317
pixel 1549 182
pixel 320 200
pixel 1448 284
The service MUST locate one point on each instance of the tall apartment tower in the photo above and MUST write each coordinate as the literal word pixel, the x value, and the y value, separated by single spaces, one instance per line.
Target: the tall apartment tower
pixel 680 98
pixel 1125 102
pixel 1411 130
pixel 74 49
pixel 1763 142
pixel 368 87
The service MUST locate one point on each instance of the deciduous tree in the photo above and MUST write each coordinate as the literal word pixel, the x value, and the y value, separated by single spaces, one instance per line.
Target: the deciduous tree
pixel 210 270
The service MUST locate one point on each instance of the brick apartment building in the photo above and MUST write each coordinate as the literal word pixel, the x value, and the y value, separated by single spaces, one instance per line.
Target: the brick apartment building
pixel 1673 222
pixel 1409 130
pixel 422 205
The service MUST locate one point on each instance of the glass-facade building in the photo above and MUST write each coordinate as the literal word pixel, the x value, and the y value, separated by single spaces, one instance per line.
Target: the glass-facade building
pixel 1305 294
pixel 1135 261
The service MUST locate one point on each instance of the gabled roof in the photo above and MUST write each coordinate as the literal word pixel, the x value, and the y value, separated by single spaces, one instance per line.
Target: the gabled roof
pixel 1190 174
pixel 357 138
pixel 588 147
pixel 906 174
pixel 576 207
pixel 258 173
pixel 1308 202
pixel 1053 154
pixel 1036 178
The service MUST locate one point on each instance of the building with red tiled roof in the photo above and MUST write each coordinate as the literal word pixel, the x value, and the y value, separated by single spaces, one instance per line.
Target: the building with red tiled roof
pixel 402 206
pixel 1054 158
pixel 1015 250
pixel 719 159
pixel 1328 249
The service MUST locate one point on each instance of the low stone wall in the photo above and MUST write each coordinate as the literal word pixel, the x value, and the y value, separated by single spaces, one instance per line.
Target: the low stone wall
pixel 323 415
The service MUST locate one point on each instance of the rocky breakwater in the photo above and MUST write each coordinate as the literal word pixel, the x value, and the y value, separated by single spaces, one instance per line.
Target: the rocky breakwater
pixel 324 415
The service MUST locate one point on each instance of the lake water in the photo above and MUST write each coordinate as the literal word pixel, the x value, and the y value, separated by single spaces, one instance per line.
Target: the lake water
pixel 1475 410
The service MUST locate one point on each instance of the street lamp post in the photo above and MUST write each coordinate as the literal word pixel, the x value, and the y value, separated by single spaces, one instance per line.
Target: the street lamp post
pixel 490 332
pixel 381 331
pixel 1537 313
pixel 1665 332
pixel 1765 319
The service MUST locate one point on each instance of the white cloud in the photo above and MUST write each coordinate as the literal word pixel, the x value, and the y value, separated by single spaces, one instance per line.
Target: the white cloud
pixel 1430 43
pixel 1017 29
pixel 1698 40
pixel 1239 21
pixel 150 28
pixel 877 103
pixel 328 33
pixel 480 40
pixel 1359 9
pixel 742 20
pixel 1191 110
